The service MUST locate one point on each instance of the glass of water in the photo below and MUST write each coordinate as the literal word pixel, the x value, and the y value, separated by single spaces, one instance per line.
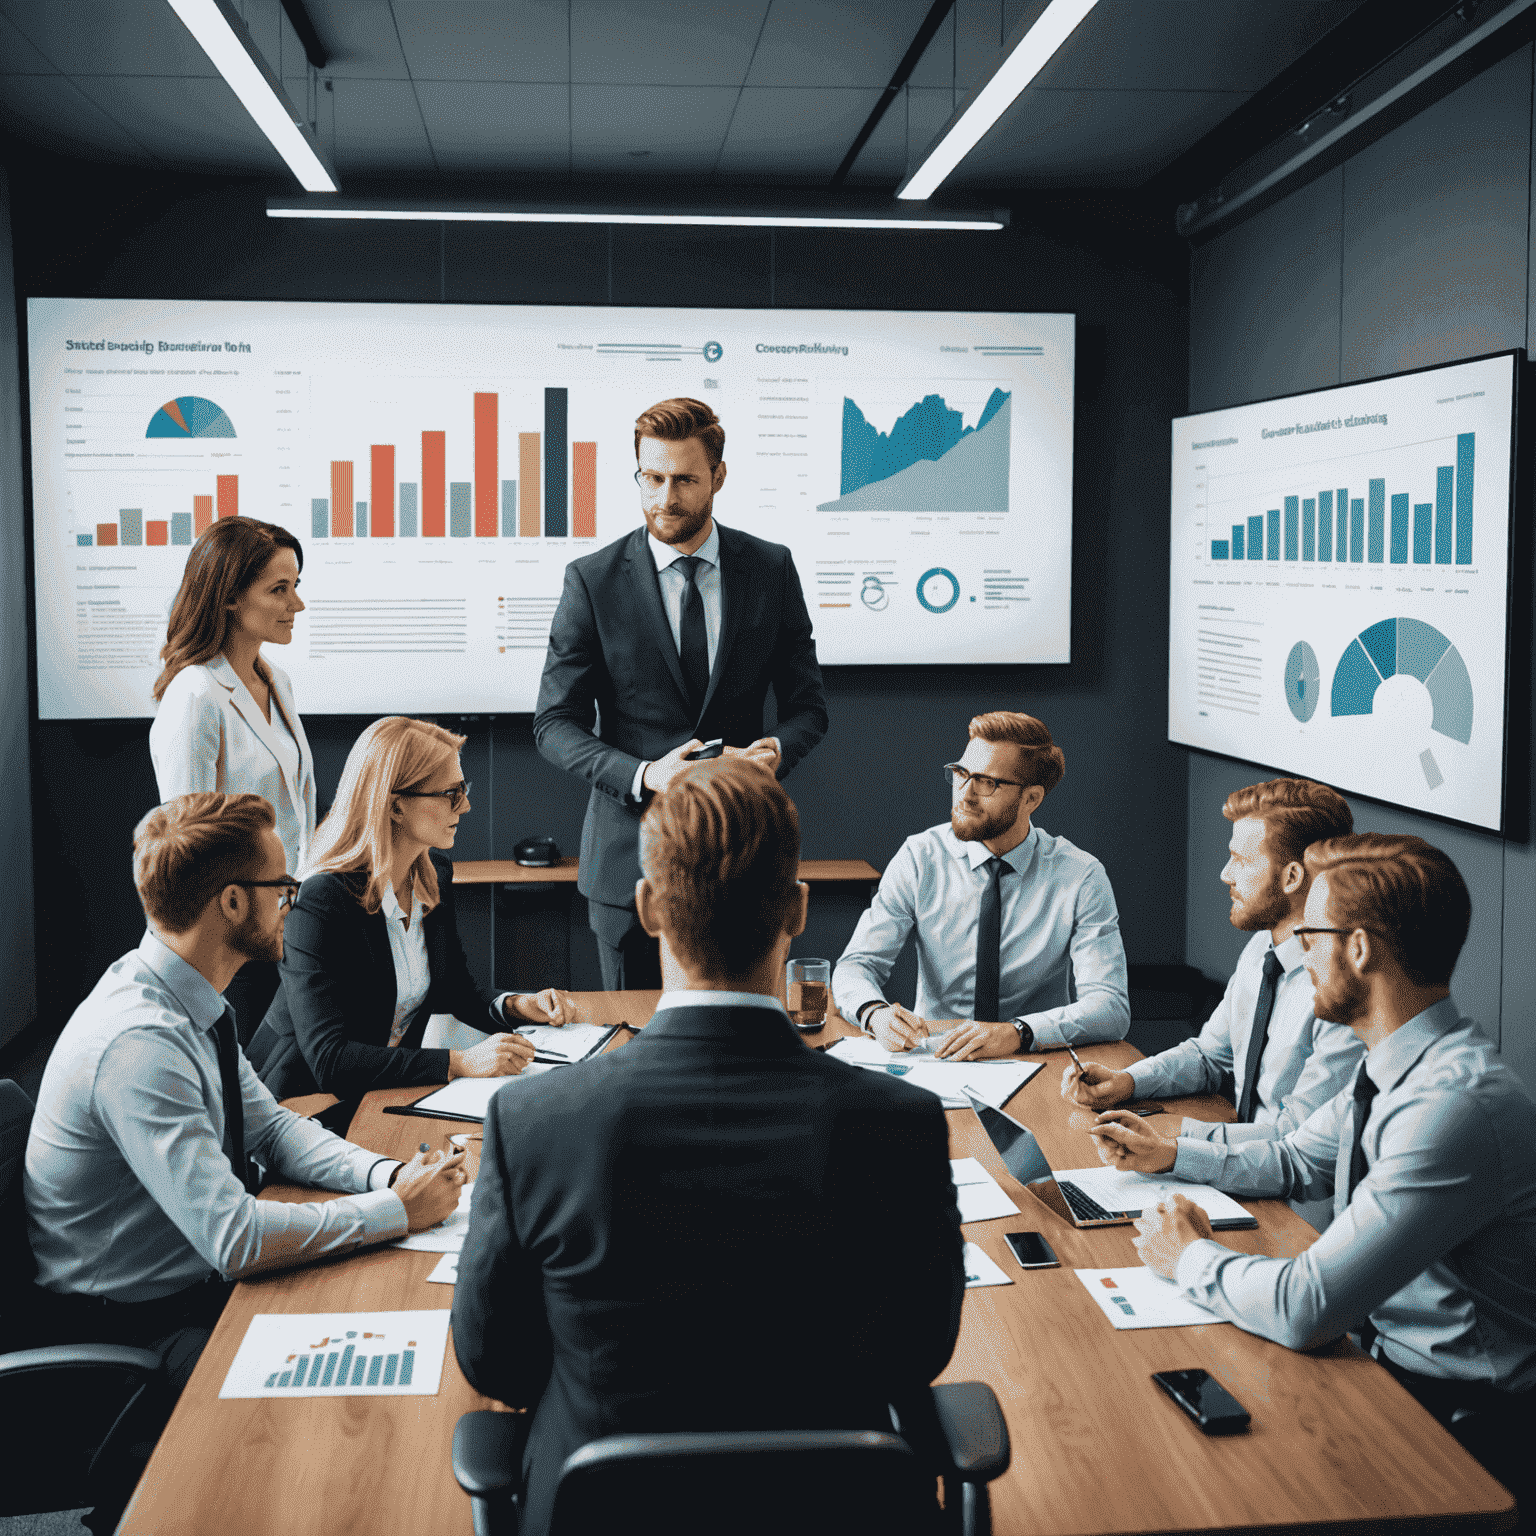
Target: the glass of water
pixel 807 990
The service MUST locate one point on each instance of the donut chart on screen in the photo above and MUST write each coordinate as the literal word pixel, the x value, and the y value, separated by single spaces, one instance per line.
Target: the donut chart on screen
pixel 1301 681
pixel 1411 648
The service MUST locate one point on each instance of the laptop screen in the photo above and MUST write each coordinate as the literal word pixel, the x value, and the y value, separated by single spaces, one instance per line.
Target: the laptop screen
pixel 1015 1144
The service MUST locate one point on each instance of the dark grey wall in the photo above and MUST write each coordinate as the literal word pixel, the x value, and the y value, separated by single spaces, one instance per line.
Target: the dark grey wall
pixel 876 778
pixel 1415 251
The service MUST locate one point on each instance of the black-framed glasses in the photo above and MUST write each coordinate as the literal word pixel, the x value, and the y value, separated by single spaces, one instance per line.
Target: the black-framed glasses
pixel 1301 933
pixel 288 885
pixel 653 485
pixel 986 785
pixel 457 794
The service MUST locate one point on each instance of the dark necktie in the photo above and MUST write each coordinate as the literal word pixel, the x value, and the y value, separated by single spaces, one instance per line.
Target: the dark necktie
pixel 989 939
pixel 695 646
pixel 1259 1036
pixel 1365 1092
pixel 234 1108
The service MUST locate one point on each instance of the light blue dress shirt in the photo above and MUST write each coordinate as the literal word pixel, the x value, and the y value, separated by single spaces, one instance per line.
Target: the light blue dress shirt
pixel 129 1192
pixel 1306 1060
pixel 1063 967
pixel 1438 1245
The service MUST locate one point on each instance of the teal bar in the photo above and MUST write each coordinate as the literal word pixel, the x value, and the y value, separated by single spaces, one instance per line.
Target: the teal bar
pixel 375 1365
pixel 181 527
pixel 390 1365
pixel 1309 529
pixel 344 1369
pixel 1400 529
pixel 1443 481
pixel 319 517
pixel 407 494
pixel 299 1369
pixel 1219 549
pixel 1325 525
pixel 407 1365
pixel 330 1369
pixel 1292 549
pixel 358 1367
pixel 1357 529
pixel 1423 530
pixel 84 540
pixel 1341 508
pixel 1255 538
pixel 272 1379
pixel 1237 541
pixel 1377 491
pixel 131 521
pixel 1466 448
pixel 286 1379
pixel 360 526
pixel 459 500
pixel 1273 550
pixel 509 509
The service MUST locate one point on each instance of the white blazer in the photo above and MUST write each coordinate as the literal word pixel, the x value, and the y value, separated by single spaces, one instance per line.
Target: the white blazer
pixel 210 734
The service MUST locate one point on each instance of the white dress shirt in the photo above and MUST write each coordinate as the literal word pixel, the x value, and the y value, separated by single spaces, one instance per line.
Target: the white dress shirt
pixel 408 949
pixel 1438 1245
pixel 129 1192
pixel 691 998
pixel 1306 1060
pixel 1062 965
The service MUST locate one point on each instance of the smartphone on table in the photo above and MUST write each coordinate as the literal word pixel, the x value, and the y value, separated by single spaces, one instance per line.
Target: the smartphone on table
pixel 1031 1250
pixel 1204 1400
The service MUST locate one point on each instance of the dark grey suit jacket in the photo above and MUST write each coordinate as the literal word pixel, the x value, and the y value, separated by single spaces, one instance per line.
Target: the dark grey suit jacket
pixel 613 695
pixel 709 1228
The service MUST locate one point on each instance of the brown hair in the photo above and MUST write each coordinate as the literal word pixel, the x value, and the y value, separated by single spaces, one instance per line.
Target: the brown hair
pixel 1295 813
pixel 721 849
pixel 1044 763
pixel 228 557
pixel 1404 891
pixel 186 851
pixel 358 832
pixel 674 421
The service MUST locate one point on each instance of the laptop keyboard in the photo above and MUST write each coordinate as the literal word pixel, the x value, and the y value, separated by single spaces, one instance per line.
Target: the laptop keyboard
pixel 1085 1208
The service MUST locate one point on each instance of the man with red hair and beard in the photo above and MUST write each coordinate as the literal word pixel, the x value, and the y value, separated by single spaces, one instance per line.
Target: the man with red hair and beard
pixel 1429 1155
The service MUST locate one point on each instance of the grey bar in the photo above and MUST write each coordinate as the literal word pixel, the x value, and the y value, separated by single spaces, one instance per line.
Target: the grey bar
pixel 460 509
pixel 407 529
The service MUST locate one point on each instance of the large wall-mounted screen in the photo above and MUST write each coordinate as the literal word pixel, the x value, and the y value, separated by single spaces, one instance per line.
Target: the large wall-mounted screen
pixel 443 463
pixel 1340 585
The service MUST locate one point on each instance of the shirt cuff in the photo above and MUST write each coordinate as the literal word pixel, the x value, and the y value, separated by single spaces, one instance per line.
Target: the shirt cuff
pixel 1195 1269
pixel 1200 1162
pixel 1200 1130
pixel 637 786
pixel 498 1013
pixel 384 1217
pixel 1147 1078
pixel 1048 1036
pixel 382 1172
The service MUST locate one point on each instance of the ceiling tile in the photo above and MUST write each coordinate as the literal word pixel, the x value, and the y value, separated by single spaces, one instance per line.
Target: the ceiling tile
pixel 17 55
pixel 795 135
pixel 89 37
pixel 378 129
pixel 965 46
pixel 681 127
pixel 48 111
pixel 477 126
pixel 905 131
pixel 190 124
pixel 512 40
pixel 664 42
pixel 360 37
pixel 835 42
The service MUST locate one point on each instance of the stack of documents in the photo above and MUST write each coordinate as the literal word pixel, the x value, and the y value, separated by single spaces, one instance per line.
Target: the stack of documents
pixel 994 1082
pixel 1141 1298
pixel 981 1197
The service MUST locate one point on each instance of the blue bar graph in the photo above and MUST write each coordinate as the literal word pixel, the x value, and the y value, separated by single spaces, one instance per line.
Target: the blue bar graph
pixel 460 509
pixel 1219 549
pixel 1273 519
pixel 1292 528
pixel 1399 552
pixel 1378 521
pixel 319 517
pixel 1423 530
pixel 1255 538
pixel 1357 529
pixel 1466 444
pixel 1309 529
pixel 1237 541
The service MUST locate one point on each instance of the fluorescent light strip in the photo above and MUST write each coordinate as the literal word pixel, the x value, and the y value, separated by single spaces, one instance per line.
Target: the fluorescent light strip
pixel 545 216
pixel 1025 60
pixel 259 92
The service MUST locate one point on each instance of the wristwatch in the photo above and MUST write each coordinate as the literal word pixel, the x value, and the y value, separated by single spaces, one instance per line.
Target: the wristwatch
pixel 1026 1035
pixel 865 1009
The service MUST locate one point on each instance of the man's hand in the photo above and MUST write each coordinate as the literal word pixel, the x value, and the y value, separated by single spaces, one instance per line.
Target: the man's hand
pixel 429 1188
pixel 659 774
pixel 499 1056
pixel 1096 1087
pixel 975 1040
pixel 897 1028
pixel 551 1006
pixel 1167 1230
pixel 1123 1141
pixel 764 752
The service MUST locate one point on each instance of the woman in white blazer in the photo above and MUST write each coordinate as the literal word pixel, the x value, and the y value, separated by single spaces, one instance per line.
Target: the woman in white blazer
pixel 227 718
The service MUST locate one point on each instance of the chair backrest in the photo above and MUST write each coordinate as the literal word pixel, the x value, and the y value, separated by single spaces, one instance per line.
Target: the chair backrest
pixel 16 1265
pixel 750 1483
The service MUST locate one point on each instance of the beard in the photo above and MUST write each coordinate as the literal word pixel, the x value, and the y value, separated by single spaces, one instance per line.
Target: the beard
pixel 256 943
pixel 1266 909
pixel 981 824
pixel 689 525
pixel 1345 999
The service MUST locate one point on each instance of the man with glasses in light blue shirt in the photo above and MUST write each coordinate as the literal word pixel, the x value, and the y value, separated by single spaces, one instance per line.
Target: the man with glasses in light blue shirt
pixel 1429 1155
pixel 1018 938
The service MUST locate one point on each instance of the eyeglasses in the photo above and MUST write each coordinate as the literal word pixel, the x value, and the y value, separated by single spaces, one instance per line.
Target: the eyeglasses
pixel 1302 933
pixel 653 485
pixel 288 885
pixel 986 785
pixel 457 795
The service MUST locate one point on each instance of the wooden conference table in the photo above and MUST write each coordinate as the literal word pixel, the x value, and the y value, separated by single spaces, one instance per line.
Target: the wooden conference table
pixel 1097 1448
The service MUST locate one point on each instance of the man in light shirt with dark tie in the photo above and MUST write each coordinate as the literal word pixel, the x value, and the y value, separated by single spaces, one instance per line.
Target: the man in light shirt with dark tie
pixel 1285 1062
pixel 1429 1155
pixel 1018 938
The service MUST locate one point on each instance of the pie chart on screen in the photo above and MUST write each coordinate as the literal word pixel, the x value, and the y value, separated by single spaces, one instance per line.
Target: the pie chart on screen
pixel 190 416
pixel 1412 648
pixel 1301 681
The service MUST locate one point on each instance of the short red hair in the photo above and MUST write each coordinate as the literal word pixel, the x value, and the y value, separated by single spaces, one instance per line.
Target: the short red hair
pixel 1044 763
pixel 1295 813
pixel 675 421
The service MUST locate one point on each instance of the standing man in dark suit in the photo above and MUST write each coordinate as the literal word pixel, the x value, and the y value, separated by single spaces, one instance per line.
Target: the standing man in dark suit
pixel 646 1226
pixel 666 639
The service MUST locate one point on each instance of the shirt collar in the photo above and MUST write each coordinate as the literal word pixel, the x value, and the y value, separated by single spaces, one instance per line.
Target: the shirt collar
pixel 665 554
pixel 695 999
pixel 977 854
pixel 390 905
pixel 1388 1063
pixel 1289 954
pixel 202 1002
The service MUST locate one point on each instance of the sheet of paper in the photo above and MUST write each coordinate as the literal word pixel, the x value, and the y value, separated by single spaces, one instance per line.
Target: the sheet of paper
pixel 980 1270
pixel 340 1354
pixel 981 1197
pixel 473 1095
pixel 447 1236
pixel 1141 1298
pixel 447 1271
pixel 995 1082
pixel 570 1042
pixel 1117 1190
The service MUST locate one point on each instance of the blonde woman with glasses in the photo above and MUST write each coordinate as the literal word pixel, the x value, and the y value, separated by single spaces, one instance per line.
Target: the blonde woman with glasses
pixel 372 948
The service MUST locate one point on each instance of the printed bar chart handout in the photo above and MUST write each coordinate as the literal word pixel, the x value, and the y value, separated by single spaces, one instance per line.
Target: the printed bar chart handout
pixel 340 1354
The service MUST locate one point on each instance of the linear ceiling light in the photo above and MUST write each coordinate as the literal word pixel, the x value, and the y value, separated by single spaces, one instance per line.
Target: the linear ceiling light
pixel 1025 58
pixel 224 37
pixel 492 213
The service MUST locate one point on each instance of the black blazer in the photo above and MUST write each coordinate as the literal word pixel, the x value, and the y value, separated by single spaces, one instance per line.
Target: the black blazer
pixel 709 1228
pixel 612 659
pixel 327 1030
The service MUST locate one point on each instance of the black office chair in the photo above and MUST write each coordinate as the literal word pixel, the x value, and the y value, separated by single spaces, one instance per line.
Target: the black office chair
pixel 1169 1003
pixel 756 1482
pixel 75 1414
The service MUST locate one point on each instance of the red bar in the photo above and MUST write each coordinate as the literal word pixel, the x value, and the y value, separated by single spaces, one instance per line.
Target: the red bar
pixel 202 514
pixel 229 495
pixel 381 503
pixel 106 533
pixel 434 482
pixel 157 533
pixel 341 499
pixel 584 490
pixel 486 488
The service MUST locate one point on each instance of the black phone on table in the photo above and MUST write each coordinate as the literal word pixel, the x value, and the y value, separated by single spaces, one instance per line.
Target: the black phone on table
pixel 1206 1401
pixel 1031 1250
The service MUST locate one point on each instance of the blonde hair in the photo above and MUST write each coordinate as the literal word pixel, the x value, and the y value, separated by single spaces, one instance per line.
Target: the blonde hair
pixel 357 835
